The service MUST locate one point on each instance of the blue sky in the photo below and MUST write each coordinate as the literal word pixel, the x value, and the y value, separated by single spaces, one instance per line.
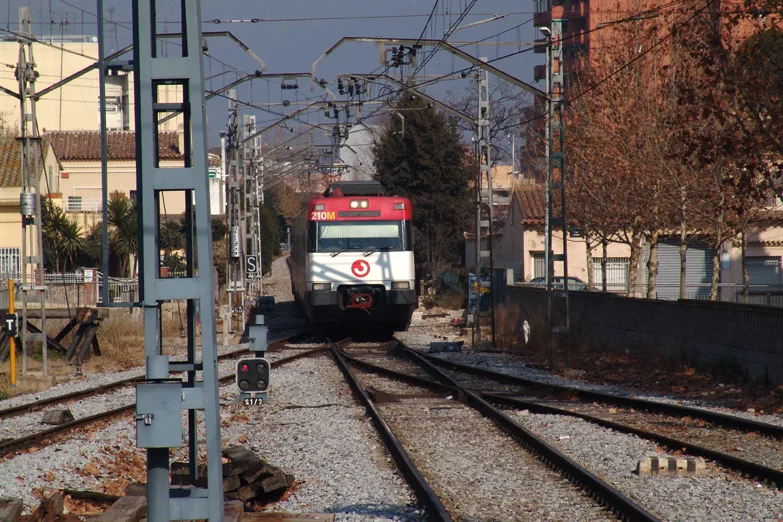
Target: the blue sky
pixel 288 46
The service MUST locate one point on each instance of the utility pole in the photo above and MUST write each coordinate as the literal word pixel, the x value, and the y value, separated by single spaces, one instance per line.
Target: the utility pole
pixel 161 400
pixel 485 211
pixel 32 264
pixel 235 188
pixel 252 209
pixel 556 186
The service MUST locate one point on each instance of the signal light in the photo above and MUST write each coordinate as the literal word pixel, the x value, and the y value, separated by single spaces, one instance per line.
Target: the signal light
pixel 399 206
pixel 252 375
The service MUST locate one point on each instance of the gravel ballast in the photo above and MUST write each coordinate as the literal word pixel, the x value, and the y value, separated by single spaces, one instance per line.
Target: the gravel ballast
pixel 478 472
pixel 613 457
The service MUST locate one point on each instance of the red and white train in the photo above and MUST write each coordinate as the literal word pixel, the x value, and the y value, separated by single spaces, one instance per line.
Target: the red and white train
pixel 352 258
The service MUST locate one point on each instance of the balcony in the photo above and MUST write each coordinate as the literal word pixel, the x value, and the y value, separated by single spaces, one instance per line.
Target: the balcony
pixel 78 204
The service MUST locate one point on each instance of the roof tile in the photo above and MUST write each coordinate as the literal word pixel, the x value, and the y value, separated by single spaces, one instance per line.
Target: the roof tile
pixel 121 145
pixel 10 160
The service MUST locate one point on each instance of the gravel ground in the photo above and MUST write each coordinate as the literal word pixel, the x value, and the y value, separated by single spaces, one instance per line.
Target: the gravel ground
pixel 312 428
pixel 613 456
pixel 315 430
pixel 764 450
pixel 510 365
pixel 492 480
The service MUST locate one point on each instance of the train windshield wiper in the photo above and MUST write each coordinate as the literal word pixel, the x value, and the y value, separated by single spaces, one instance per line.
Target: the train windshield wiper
pixel 338 253
pixel 374 250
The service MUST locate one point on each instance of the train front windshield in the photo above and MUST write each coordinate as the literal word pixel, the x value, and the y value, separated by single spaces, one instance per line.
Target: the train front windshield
pixel 339 236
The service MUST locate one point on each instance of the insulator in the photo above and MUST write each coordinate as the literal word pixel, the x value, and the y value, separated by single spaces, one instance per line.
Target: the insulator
pixel 340 88
pixel 234 242
pixel 27 204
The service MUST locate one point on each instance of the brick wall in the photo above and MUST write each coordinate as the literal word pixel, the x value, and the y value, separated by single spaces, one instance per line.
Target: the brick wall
pixel 747 338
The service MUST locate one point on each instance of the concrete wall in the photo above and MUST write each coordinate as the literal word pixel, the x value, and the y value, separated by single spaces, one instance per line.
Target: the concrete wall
pixel 708 334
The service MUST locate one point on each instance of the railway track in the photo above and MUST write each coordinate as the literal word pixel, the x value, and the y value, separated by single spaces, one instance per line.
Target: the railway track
pixel 447 382
pixel 670 425
pixel 8 447
pixel 24 409
pixel 600 492
pixel 716 418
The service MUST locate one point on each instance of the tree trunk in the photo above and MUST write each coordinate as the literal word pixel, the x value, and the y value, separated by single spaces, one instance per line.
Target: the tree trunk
pixel 652 267
pixel 715 275
pixel 745 274
pixel 683 243
pixel 604 246
pixel 589 259
pixel 633 262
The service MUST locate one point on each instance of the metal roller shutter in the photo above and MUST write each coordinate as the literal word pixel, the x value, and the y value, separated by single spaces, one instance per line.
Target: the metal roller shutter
pixel 698 270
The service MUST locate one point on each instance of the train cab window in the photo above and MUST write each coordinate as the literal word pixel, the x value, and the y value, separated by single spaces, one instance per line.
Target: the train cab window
pixel 337 236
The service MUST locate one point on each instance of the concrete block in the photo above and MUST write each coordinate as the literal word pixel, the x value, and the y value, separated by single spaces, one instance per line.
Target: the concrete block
pixel 57 417
pixel 671 466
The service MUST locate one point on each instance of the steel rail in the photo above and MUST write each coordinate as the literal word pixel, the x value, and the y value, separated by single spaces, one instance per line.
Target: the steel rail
pixel 30 440
pixel 751 469
pixel 31 407
pixel 89 392
pixel 415 479
pixel 575 473
pixel 731 421
pixel 729 461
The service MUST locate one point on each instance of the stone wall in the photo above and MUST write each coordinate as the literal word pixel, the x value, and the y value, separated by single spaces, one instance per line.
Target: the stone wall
pixel 745 338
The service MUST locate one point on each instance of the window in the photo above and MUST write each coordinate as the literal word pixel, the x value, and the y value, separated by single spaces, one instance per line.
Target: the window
pixel 10 262
pixel 74 204
pixel 133 195
pixel 337 236
pixel 539 264
pixel 616 274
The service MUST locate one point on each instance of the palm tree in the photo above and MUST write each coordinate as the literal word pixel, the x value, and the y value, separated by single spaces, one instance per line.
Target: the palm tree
pixel 61 235
pixel 70 242
pixel 123 234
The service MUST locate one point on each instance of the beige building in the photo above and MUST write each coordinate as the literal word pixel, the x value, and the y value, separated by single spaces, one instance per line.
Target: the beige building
pixel 74 106
pixel 79 153
pixel 10 188
pixel 519 245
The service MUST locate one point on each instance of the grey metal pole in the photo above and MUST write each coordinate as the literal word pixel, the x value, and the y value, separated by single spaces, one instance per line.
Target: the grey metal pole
pixel 548 262
pixel 222 182
pixel 104 166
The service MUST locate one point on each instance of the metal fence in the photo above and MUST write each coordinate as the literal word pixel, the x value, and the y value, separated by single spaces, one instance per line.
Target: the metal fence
pixel 76 289
pixel 765 295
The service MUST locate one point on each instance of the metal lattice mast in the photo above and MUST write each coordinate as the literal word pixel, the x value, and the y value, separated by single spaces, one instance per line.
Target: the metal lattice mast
pixel 161 399
pixel 556 189
pixel 484 203
pixel 32 262
pixel 235 280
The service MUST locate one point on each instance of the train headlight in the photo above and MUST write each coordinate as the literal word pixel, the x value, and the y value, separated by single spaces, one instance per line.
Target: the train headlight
pixel 364 204
pixel 354 204
pixel 322 286
pixel 399 206
pixel 401 285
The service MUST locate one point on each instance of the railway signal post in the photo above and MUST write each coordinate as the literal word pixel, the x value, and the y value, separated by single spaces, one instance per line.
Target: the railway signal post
pixel 161 399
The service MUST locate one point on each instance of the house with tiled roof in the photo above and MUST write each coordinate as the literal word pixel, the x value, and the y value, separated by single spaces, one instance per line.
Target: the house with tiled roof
pixel 10 188
pixel 519 246
pixel 79 153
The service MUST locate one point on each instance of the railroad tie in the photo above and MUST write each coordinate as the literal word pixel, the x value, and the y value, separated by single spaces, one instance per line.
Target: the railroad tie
pixel 671 466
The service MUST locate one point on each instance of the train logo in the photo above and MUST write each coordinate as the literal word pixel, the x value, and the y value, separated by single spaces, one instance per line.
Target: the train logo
pixel 360 268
